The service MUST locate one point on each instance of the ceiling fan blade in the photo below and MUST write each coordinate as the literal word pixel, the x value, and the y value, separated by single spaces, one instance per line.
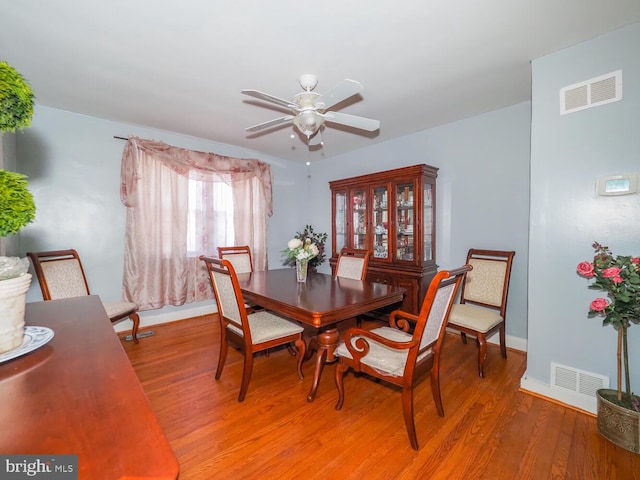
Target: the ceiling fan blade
pixel 269 98
pixel 352 121
pixel 345 89
pixel 271 123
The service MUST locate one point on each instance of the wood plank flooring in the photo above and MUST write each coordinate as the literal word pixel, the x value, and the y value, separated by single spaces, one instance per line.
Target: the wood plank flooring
pixel 491 430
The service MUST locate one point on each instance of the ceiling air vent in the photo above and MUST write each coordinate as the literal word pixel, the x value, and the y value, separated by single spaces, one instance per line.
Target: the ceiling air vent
pixel 591 93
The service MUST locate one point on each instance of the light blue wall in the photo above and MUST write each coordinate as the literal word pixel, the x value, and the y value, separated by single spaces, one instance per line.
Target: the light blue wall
pixel 569 152
pixel 73 164
pixel 482 189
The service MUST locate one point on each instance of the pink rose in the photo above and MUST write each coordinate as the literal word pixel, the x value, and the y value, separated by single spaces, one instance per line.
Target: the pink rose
pixel 612 272
pixel 599 304
pixel 636 260
pixel 585 269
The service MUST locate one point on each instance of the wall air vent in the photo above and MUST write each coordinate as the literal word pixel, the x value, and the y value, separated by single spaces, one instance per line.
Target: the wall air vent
pixel 578 381
pixel 591 93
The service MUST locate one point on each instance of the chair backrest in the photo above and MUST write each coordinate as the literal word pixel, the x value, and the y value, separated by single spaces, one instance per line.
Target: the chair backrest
pixel 436 306
pixel 353 263
pixel 239 256
pixel 488 283
pixel 60 274
pixel 228 295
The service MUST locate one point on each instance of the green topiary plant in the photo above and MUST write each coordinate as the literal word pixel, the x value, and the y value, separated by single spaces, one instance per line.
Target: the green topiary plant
pixel 18 208
pixel 16 100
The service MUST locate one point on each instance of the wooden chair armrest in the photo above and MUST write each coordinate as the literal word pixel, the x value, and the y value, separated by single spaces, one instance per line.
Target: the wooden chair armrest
pixel 398 319
pixel 361 347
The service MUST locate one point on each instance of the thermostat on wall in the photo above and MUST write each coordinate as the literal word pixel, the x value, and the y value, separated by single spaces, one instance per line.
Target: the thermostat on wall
pixel 617 184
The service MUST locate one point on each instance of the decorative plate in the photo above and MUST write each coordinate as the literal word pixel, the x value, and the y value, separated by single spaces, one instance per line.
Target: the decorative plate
pixel 34 337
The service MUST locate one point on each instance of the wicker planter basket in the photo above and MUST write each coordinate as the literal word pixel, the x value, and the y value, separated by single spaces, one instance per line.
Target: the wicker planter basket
pixel 618 424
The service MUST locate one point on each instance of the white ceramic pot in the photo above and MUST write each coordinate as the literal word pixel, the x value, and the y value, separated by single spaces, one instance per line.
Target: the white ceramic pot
pixel 13 294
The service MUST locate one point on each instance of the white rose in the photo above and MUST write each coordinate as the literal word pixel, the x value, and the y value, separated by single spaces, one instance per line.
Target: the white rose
pixel 313 249
pixel 294 243
pixel 302 255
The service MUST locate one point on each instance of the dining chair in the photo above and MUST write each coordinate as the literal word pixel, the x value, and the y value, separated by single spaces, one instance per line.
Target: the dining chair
pixel 353 263
pixel 400 356
pixel 61 275
pixel 239 256
pixel 250 333
pixel 482 309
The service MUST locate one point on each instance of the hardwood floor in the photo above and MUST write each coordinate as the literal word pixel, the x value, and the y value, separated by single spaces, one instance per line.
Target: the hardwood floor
pixel 490 429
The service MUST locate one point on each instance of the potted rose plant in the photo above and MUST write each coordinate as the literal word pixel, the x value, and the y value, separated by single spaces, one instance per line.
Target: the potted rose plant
pixel 619 276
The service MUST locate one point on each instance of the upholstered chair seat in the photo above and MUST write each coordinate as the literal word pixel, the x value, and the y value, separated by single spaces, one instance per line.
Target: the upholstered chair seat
pixel 266 326
pixel 475 318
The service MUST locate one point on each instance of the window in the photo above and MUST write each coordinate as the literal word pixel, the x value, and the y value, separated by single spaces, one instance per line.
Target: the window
pixel 182 204
pixel 222 230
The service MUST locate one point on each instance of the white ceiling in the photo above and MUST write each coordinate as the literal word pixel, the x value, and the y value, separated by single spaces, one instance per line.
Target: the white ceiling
pixel 180 65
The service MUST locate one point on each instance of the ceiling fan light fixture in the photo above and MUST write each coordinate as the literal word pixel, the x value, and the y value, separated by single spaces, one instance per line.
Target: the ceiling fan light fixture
pixel 308 122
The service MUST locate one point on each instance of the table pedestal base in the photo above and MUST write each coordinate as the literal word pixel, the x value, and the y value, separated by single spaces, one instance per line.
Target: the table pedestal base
pixel 325 343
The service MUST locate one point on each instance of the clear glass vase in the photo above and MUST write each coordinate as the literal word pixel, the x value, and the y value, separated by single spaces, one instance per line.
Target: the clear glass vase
pixel 301 270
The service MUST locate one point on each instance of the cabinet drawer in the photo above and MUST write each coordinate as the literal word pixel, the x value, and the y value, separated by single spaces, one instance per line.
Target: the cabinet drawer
pixel 381 278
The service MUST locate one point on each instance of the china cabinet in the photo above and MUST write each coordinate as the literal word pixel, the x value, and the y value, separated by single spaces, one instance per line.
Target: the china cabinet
pixel 392 213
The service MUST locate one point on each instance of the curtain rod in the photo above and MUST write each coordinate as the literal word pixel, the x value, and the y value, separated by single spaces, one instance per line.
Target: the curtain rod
pixel 120 138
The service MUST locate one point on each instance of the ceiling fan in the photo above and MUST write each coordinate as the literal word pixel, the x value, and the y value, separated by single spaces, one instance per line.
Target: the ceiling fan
pixel 310 110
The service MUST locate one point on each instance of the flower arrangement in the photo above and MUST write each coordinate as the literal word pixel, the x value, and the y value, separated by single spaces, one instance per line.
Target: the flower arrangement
pixel 301 250
pixel 619 276
pixel 304 241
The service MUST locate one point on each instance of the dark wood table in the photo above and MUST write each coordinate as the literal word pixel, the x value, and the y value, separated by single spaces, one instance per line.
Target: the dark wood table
pixel 323 301
pixel 79 394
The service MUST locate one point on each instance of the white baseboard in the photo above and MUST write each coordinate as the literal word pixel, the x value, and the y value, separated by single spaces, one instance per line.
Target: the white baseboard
pixel 561 395
pixel 156 317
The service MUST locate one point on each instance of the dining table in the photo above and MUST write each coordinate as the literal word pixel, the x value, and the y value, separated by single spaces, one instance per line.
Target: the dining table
pixel 323 301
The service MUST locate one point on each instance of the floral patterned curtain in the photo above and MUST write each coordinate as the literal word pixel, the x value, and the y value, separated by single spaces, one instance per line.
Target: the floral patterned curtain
pixel 158 268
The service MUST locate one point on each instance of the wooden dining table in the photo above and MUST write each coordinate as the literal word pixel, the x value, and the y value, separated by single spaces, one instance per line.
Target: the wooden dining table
pixel 322 302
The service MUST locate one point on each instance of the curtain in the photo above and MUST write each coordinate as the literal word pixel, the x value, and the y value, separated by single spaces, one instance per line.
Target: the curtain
pixel 160 268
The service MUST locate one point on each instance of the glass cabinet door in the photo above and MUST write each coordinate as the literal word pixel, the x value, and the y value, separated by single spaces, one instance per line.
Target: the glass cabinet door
pixel 405 220
pixel 359 215
pixel 340 219
pixel 380 223
pixel 427 220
